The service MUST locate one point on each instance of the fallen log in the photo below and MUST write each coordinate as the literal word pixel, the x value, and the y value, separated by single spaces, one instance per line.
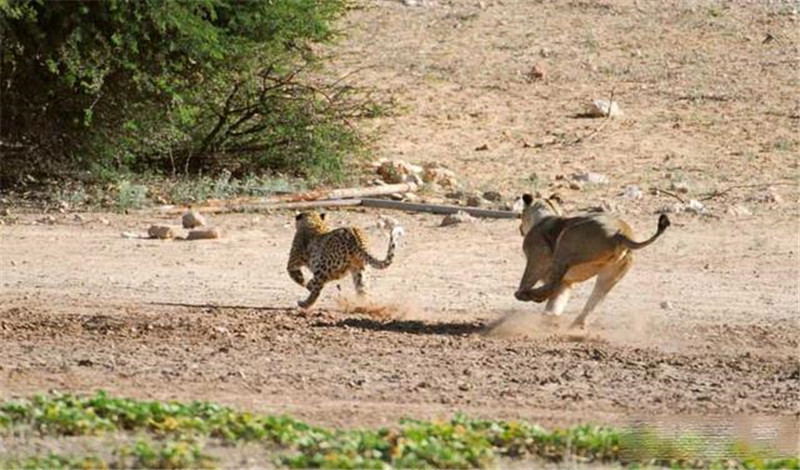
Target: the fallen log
pixel 321 195
pixel 441 209
pixel 306 205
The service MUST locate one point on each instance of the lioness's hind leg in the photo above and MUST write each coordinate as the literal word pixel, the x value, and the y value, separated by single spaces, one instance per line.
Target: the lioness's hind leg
pixel 606 280
pixel 557 303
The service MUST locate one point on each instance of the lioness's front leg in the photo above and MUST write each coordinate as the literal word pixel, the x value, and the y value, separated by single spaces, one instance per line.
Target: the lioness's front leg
pixel 552 288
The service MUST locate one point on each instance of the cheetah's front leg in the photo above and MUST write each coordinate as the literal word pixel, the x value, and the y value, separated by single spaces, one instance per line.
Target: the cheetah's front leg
pixel 314 287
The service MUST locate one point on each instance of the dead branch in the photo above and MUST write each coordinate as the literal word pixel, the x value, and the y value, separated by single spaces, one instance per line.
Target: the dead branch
pixel 670 193
pixel 717 193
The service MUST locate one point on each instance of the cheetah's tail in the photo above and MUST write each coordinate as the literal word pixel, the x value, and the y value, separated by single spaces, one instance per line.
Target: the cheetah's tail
pixel 395 234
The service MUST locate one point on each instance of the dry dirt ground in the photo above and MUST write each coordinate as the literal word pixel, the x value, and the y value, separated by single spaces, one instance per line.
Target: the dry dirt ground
pixel 709 99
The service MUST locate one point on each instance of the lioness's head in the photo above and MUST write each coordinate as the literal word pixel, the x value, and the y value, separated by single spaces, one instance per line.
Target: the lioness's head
pixel 535 210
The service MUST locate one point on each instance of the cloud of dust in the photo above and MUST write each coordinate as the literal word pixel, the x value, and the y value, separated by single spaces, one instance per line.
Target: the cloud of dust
pixel 630 329
pixel 392 309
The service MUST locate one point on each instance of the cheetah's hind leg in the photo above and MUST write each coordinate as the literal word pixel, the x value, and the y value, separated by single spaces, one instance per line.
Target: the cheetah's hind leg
pixel 359 282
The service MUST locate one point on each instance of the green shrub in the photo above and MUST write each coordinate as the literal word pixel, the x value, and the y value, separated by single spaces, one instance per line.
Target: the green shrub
pixel 177 87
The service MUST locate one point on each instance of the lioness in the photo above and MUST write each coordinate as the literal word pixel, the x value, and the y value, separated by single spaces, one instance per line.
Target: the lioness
pixel 562 251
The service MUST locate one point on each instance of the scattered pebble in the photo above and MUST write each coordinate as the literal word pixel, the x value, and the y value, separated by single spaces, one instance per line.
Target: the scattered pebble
pixel 601 108
pixel 482 147
pixel 493 196
pixel 457 218
pixel 192 219
pixel 695 207
pixel 670 209
pixel 162 232
pixel 633 192
pixel 767 196
pixel 475 201
pixel 204 234
pixel 537 72
pixel 739 211
pixel 680 186
pixel 590 177
pixel 48 219
pixel 666 305
pixel 5 212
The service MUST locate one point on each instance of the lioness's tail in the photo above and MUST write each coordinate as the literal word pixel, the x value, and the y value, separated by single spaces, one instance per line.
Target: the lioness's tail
pixel 663 223
pixel 396 233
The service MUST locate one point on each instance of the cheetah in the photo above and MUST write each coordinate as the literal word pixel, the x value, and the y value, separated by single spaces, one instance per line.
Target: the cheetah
pixel 330 254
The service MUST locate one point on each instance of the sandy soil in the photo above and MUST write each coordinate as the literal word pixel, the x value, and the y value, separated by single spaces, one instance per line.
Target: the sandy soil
pixel 707 101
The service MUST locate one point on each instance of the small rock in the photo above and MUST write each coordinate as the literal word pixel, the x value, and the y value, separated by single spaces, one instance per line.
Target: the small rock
pixel 162 232
pixel 537 72
pixel 695 207
pixel 103 221
pixel 680 186
pixel 666 305
pixel 633 192
pixel 482 147
pixel 78 218
pixel 574 185
pixel 464 387
pixel 48 219
pixel 5 212
pixel 601 108
pixel 493 196
pixel 590 177
pixel 192 219
pixel 410 197
pixel 767 196
pixel 475 201
pixel 396 171
pixel 436 174
pixel 670 209
pixel 130 235
pixel 204 234
pixel 414 178
pixel 457 218
pixel 739 211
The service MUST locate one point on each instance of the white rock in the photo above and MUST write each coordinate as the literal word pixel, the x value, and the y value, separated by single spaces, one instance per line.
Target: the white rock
pixel 633 192
pixel 739 211
pixel 767 196
pixel 666 305
pixel 696 207
pixel 601 108
pixel 671 209
pixel 680 186
pixel 590 177
pixel 457 218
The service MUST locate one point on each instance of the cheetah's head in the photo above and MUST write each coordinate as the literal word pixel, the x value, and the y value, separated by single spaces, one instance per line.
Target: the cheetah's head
pixel 311 220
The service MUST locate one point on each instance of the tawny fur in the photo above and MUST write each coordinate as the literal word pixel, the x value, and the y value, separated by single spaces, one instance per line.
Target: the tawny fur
pixel 562 251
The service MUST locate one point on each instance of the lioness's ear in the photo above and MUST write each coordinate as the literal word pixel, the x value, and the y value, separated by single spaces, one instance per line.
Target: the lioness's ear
pixel 527 199
pixel 322 215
